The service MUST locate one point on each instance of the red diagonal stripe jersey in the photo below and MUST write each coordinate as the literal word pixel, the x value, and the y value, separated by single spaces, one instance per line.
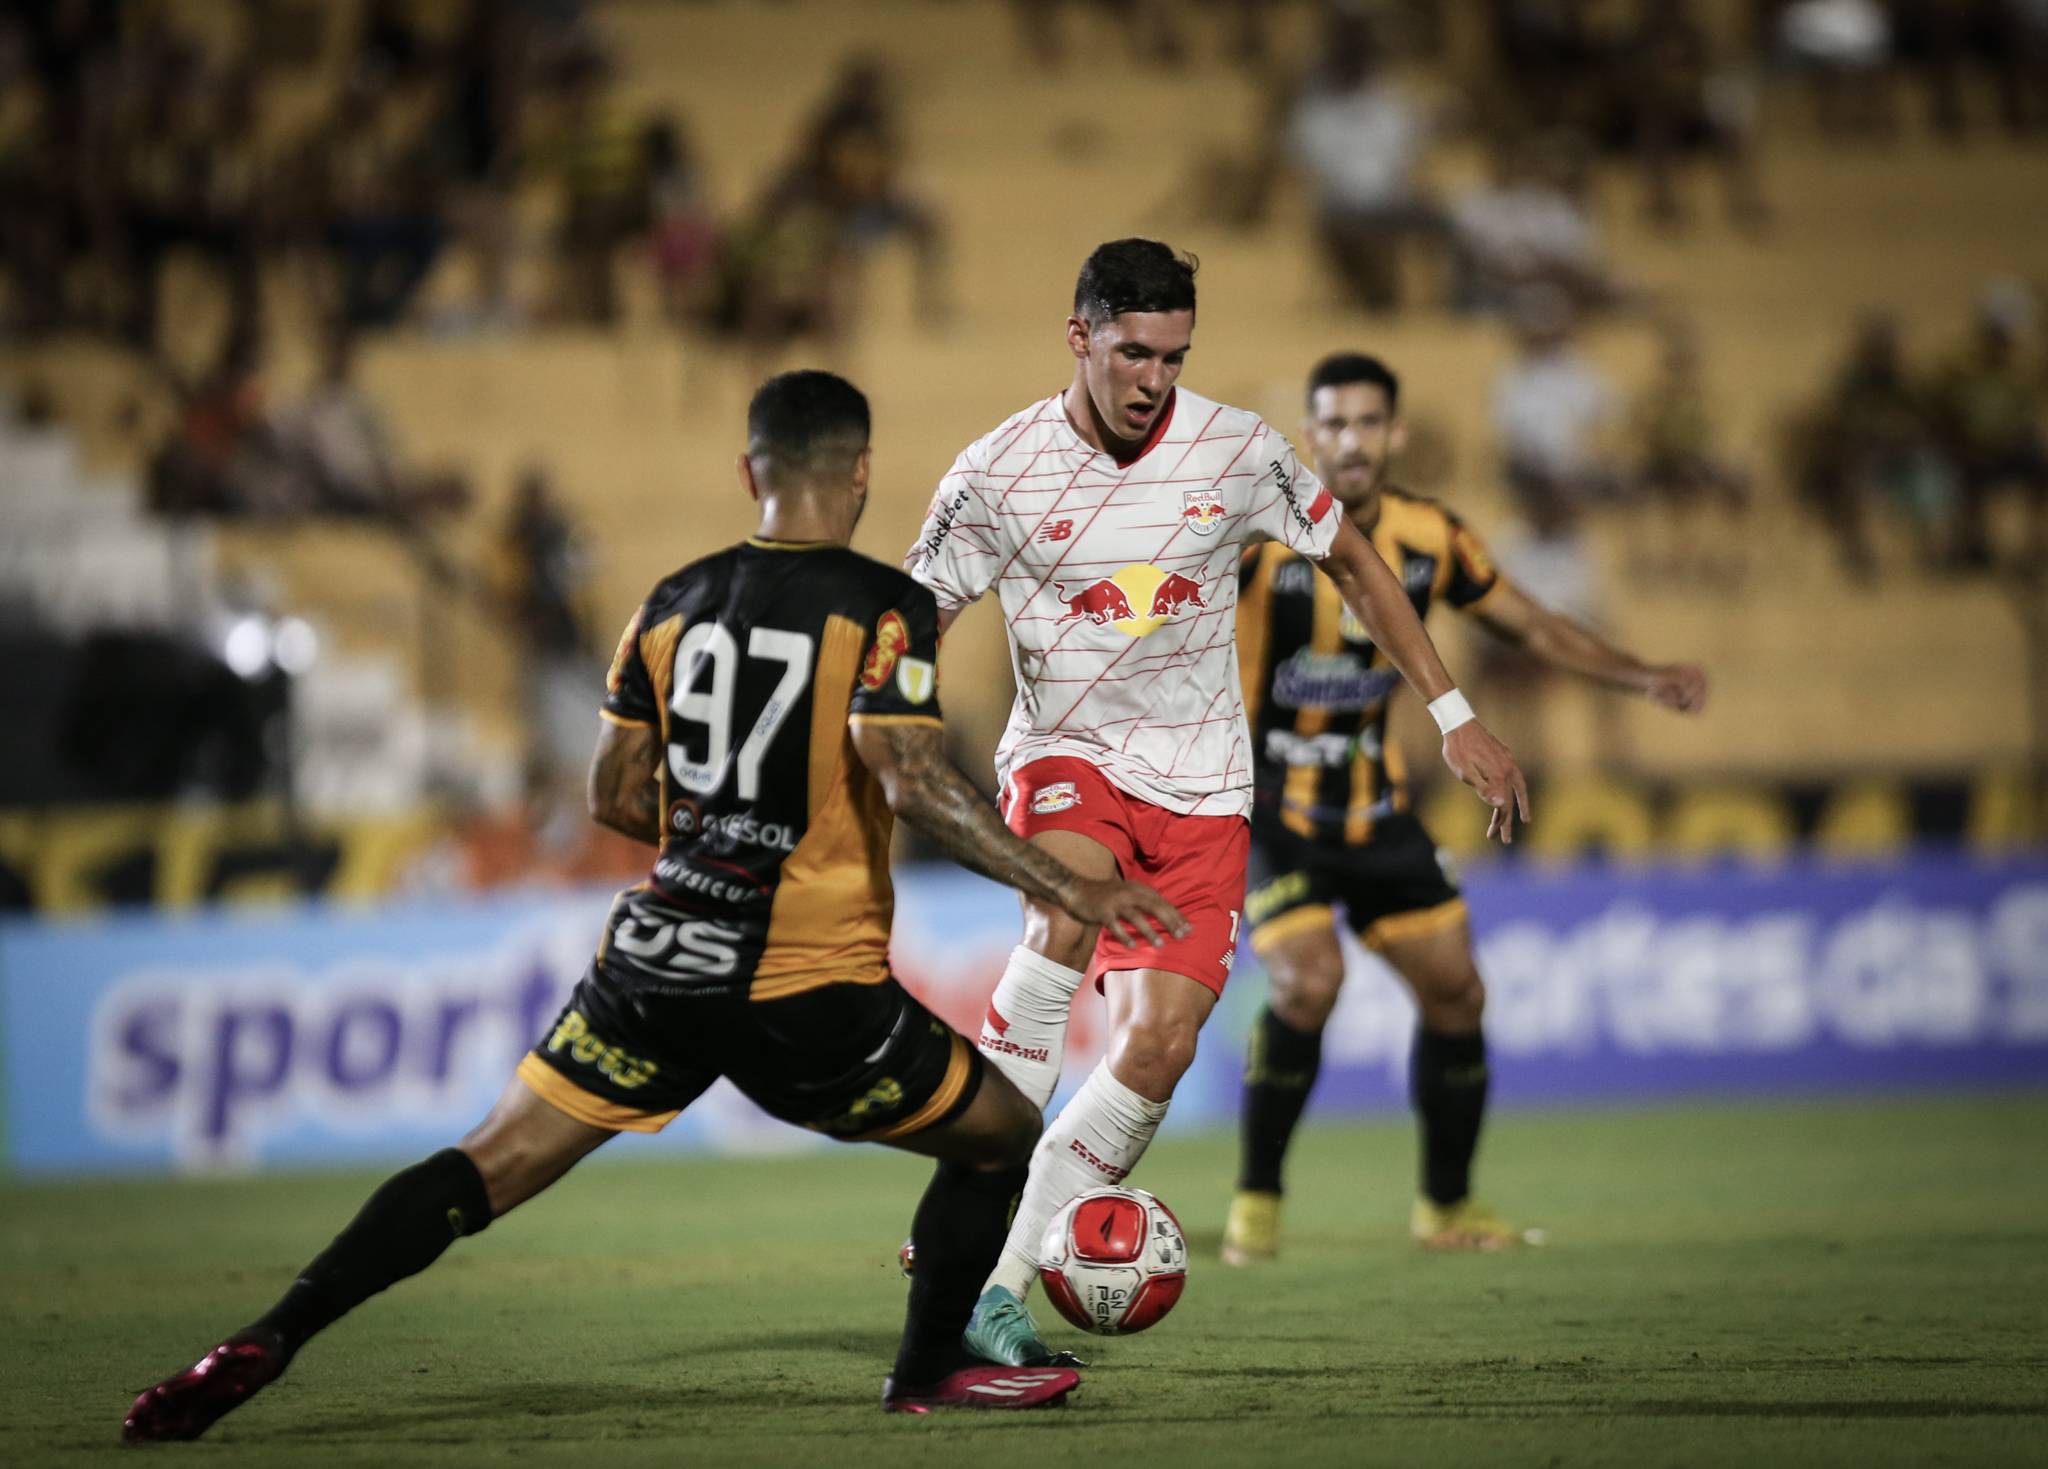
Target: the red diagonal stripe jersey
pixel 1119 587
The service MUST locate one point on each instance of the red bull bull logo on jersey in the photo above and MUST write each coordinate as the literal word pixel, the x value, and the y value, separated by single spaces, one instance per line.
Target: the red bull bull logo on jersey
pixel 1175 593
pixel 1136 601
pixel 1098 601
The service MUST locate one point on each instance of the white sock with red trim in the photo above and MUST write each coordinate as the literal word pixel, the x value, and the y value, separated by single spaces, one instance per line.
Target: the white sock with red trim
pixel 1096 1141
pixel 1025 1031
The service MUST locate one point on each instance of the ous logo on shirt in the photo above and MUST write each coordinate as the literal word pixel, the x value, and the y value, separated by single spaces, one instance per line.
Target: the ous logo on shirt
pixel 1115 601
pixel 1202 511
pixel 891 638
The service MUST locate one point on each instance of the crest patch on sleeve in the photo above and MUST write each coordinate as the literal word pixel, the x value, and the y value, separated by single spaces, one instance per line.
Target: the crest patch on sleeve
pixel 891 638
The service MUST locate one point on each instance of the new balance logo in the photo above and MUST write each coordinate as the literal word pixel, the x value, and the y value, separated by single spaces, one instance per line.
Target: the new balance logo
pixel 1057 530
pixel 1109 1170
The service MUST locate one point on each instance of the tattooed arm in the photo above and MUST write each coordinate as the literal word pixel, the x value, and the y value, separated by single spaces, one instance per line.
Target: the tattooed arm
pixel 924 788
pixel 624 792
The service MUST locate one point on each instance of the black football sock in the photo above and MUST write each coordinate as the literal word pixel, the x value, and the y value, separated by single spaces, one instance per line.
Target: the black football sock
pixel 402 1230
pixel 958 1234
pixel 1448 1080
pixel 1279 1072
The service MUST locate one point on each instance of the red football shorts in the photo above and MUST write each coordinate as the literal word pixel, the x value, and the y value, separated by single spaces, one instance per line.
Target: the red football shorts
pixel 1197 863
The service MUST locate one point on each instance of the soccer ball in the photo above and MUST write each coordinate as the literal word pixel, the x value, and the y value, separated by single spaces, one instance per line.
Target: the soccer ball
pixel 1114 1261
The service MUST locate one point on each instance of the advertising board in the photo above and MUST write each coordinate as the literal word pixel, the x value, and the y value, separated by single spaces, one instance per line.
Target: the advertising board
pixel 328 1036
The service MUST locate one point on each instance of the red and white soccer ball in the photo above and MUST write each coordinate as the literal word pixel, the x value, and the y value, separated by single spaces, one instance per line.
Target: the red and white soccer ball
pixel 1114 1261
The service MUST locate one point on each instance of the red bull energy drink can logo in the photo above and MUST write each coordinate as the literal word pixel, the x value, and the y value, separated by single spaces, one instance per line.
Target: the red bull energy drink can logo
pixel 1135 601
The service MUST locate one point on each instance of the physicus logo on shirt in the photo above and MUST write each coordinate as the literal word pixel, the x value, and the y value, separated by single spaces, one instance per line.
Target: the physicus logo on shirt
pixel 1202 510
pixel 1114 601
pixel 1059 796
pixel 891 638
pixel 916 680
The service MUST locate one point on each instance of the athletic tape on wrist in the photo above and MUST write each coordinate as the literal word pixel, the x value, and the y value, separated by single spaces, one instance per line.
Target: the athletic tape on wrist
pixel 1451 711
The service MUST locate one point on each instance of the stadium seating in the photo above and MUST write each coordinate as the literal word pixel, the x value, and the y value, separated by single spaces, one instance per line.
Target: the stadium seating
pixel 1816 676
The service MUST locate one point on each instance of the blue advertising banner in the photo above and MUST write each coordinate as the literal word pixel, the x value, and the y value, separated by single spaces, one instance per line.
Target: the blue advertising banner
pixel 322 1036
pixel 1606 983
pixel 217 1042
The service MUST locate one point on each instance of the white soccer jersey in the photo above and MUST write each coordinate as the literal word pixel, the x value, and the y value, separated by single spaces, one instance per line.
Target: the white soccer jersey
pixel 1119 585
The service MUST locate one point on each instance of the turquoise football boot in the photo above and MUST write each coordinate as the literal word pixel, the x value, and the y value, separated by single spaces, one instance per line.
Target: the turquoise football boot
pixel 1001 1330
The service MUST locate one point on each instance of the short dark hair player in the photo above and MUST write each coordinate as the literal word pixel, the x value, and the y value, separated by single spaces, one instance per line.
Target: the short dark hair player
pixel 769 708
pixel 1108 520
pixel 1331 820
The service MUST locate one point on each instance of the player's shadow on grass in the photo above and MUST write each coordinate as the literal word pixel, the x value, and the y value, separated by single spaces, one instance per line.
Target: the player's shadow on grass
pixel 515 1409
pixel 875 1346
pixel 531 1402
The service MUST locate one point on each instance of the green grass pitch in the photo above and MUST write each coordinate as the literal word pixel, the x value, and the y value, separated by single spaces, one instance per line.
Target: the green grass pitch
pixel 1854 1283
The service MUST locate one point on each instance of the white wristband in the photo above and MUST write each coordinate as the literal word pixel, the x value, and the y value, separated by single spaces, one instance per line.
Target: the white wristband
pixel 1450 711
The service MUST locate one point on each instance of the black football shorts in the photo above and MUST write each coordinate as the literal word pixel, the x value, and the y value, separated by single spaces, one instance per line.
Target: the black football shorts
pixel 857 1062
pixel 1394 885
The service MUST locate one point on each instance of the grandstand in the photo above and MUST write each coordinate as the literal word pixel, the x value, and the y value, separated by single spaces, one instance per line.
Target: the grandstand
pixel 1820 677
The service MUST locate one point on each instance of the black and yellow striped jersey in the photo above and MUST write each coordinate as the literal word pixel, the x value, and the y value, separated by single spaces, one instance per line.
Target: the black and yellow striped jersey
pixel 1315 687
pixel 773 876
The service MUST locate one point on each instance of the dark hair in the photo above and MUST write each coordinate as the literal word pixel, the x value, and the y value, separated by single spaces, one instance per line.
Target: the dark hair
pixel 1342 368
pixel 1134 275
pixel 802 422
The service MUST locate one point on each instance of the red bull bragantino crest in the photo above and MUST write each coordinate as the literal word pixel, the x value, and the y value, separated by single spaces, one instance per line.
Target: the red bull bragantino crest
pixel 1202 510
pixel 1135 601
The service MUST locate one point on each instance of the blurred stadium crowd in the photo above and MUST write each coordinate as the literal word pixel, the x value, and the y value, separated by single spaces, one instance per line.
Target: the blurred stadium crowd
pixel 477 171
pixel 125 139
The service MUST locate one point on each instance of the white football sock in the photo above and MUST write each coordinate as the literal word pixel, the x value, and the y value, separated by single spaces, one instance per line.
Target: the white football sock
pixel 1096 1141
pixel 1025 1031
